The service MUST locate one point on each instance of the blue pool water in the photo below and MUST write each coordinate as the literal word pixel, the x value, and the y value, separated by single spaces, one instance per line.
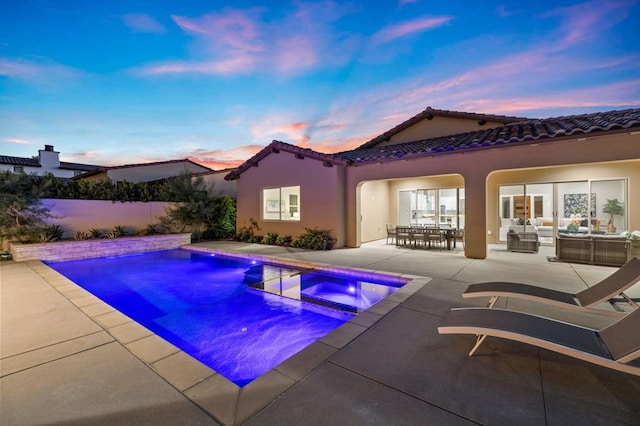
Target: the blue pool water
pixel 239 317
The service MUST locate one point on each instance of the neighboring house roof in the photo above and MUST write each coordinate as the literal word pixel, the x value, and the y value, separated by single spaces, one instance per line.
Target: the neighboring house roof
pixel 34 162
pixel 129 166
pixel 519 132
pixel 275 147
pixel 19 161
pixel 78 166
pixel 429 113
pixel 528 131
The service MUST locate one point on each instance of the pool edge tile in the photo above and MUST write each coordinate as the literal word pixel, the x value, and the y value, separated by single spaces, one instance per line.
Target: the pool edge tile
pixel 182 370
pixel 151 349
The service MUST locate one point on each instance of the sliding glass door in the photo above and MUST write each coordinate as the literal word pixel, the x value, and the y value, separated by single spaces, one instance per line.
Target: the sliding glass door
pixel 588 206
pixel 437 207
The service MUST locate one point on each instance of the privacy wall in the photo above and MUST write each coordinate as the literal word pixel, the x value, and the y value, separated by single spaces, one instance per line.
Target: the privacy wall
pixel 82 215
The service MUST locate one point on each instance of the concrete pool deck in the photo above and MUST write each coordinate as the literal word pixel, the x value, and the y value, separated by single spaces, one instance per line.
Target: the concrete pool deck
pixel 67 358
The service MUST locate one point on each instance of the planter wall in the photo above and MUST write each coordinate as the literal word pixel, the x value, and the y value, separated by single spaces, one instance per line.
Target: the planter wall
pixel 68 250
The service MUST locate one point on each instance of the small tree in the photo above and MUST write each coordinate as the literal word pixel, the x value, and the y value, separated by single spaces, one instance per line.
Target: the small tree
pixel 21 211
pixel 613 208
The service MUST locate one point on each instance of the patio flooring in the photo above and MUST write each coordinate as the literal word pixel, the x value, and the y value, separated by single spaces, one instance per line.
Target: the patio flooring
pixel 67 358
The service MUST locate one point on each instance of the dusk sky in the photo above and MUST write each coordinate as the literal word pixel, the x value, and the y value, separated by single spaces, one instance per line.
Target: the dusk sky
pixel 120 82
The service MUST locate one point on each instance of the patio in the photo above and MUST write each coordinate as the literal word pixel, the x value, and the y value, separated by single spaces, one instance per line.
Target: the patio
pixel 62 366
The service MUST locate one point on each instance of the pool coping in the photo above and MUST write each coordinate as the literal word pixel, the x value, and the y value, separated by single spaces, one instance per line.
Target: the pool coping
pixel 219 397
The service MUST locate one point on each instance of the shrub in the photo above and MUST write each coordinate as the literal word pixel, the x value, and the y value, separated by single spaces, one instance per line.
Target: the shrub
pixel 81 236
pixel 152 229
pixel 53 232
pixel 95 234
pixel 283 241
pixel 117 232
pixel 247 232
pixel 43 234
pixel 315 239
pixel 270 238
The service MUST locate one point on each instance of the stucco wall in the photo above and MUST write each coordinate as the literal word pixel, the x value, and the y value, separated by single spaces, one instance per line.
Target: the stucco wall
pixel 375 207
pixel 438 126
pixel 476 166
pixel 321 200
pixel 82 215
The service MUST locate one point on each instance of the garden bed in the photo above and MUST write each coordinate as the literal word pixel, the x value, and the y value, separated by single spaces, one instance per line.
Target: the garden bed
pixel 67 250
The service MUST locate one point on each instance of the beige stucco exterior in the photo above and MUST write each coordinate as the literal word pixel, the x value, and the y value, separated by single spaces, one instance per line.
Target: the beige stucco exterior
pixel 616 155
pixel 357 201
pixel 321 195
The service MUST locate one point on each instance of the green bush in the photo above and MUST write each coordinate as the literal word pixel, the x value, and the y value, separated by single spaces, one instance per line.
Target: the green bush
pixel 284 240
pixel 270 238
pixel 152 229
pixel 95 234
pixel 247 232
pixel 81 236
pixel 53 232
pixel 315 239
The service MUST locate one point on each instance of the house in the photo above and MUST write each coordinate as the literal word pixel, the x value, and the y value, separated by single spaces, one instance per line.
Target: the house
pixel 145 172
pixel 215 179
pixel 48 161
pixel 476 171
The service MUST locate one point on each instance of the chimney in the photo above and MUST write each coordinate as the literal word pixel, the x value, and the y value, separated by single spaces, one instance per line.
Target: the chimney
pixel 49 159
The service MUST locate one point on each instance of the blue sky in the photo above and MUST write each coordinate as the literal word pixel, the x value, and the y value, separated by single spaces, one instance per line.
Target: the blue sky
pixel 120 82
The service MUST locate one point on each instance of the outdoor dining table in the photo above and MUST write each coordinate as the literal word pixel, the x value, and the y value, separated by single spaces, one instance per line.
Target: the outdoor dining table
pixel 403 233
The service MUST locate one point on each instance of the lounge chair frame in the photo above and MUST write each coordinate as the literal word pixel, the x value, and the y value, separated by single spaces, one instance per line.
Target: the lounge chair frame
pixel 606 290
pixel 616 346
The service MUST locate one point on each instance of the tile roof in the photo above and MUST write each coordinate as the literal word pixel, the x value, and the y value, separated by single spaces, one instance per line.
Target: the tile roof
pixel 531 131
pixel 34 162
pixel 429 113
pixel 19 161
pixel 275 147
pixel 78 166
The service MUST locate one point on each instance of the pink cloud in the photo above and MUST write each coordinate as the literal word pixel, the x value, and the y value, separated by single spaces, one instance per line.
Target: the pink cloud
pixel 295 53
pixel 17 141
pixel 49 74
pixel 143 23
pixel 240 41
pixel 226 158
pixel 608 95
pixel 239 64
pixel 417 25
pixel 234 30
pixel 580 20
pixel 276 127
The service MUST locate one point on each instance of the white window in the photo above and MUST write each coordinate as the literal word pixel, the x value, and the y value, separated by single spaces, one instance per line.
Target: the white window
pixel 18 169
pixel 281 203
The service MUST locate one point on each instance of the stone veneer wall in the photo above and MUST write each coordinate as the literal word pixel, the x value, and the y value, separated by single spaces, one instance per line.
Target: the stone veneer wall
pixel 68 250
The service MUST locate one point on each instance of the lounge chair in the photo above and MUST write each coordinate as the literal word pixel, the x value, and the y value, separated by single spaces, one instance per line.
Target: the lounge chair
pixel 612 286
pixel 616 346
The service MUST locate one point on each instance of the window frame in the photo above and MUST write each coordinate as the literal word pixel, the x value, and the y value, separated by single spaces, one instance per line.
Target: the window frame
pixel 286 204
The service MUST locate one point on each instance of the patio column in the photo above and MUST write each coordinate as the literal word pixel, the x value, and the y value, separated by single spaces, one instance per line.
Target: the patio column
pixel 475 230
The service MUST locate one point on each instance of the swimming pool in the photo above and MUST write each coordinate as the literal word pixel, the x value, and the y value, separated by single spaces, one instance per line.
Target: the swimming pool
pixel 240 317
